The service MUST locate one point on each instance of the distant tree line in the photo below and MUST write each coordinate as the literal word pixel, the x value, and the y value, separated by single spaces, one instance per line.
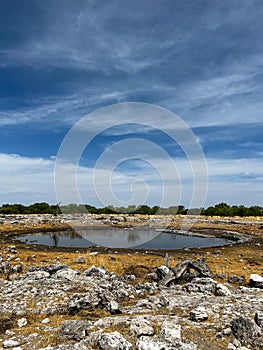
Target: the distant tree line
pixel 221 209
pixel 36 208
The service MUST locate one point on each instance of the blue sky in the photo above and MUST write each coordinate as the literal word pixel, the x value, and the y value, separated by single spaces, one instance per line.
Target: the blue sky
pixel 61 60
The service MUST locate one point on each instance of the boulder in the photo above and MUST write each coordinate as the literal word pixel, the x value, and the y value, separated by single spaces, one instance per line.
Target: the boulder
pixel 6 268
pixel 53 268
pixel 141 327
pixel 200 285
pixel 245 330
pixel 171 332
pixel 76 329
pixel 113 341
pixel 158 343
pixel 77 303
pixel 151 343
pixel 37 275
pixel 96 271
pixel 66 274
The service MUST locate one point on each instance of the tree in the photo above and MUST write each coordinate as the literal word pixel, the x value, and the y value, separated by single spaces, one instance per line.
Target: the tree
pixel 144 210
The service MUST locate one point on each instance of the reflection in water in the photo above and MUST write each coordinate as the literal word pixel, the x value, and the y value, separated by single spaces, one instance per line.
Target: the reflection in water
pixel 119 238
pixel 55 238
pixel 134 237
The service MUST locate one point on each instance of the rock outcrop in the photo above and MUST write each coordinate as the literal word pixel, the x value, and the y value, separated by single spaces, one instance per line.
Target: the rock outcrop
pixel 101 310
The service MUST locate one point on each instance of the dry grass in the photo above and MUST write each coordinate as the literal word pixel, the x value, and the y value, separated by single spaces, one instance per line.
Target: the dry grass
pixel 204 338
pixel 241 260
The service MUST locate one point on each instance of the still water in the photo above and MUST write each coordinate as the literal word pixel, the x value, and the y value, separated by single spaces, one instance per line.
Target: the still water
pixel 122 238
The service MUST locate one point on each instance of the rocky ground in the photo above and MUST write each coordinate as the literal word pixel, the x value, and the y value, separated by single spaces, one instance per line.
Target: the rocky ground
pixel 229 227
pixel 65 299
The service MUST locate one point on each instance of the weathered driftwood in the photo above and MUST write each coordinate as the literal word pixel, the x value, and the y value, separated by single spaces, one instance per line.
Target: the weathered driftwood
pixel 184 267
pixel 154 253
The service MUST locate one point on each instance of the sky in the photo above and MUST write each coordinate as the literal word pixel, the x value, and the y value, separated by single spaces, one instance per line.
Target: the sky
pixel 66 59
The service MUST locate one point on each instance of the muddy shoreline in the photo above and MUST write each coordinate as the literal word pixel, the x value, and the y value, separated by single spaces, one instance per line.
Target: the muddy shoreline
pixel 241 230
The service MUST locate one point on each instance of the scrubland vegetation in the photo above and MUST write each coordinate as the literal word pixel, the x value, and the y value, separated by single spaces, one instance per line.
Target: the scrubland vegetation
pixel 221 209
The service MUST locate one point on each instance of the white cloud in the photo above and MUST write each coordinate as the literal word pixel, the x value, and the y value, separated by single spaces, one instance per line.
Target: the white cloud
pixel 59 110
pixel 28 180
pixel 235 167
pixel 231 97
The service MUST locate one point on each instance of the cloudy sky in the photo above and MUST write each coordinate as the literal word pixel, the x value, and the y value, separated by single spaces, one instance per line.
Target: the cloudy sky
pixel 62 60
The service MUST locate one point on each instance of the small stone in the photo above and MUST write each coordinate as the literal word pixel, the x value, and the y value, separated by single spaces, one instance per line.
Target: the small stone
pixel 22 322
pixel 259 318
pixel 231 347
pixel 236 343
pixel 236 279
pixel 80 260
pixel 222 276
pixel 114 307
pixel 18 268
pixel 188 346
pixel 45 321
pixel 199 315
pixel 222 290
pixel 256 281
pixel 93 253
pixel 10 343
pixel 227 331
pixel 8 332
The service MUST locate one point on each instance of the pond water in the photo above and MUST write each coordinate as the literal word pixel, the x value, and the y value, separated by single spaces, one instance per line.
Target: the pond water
pixel 123 238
